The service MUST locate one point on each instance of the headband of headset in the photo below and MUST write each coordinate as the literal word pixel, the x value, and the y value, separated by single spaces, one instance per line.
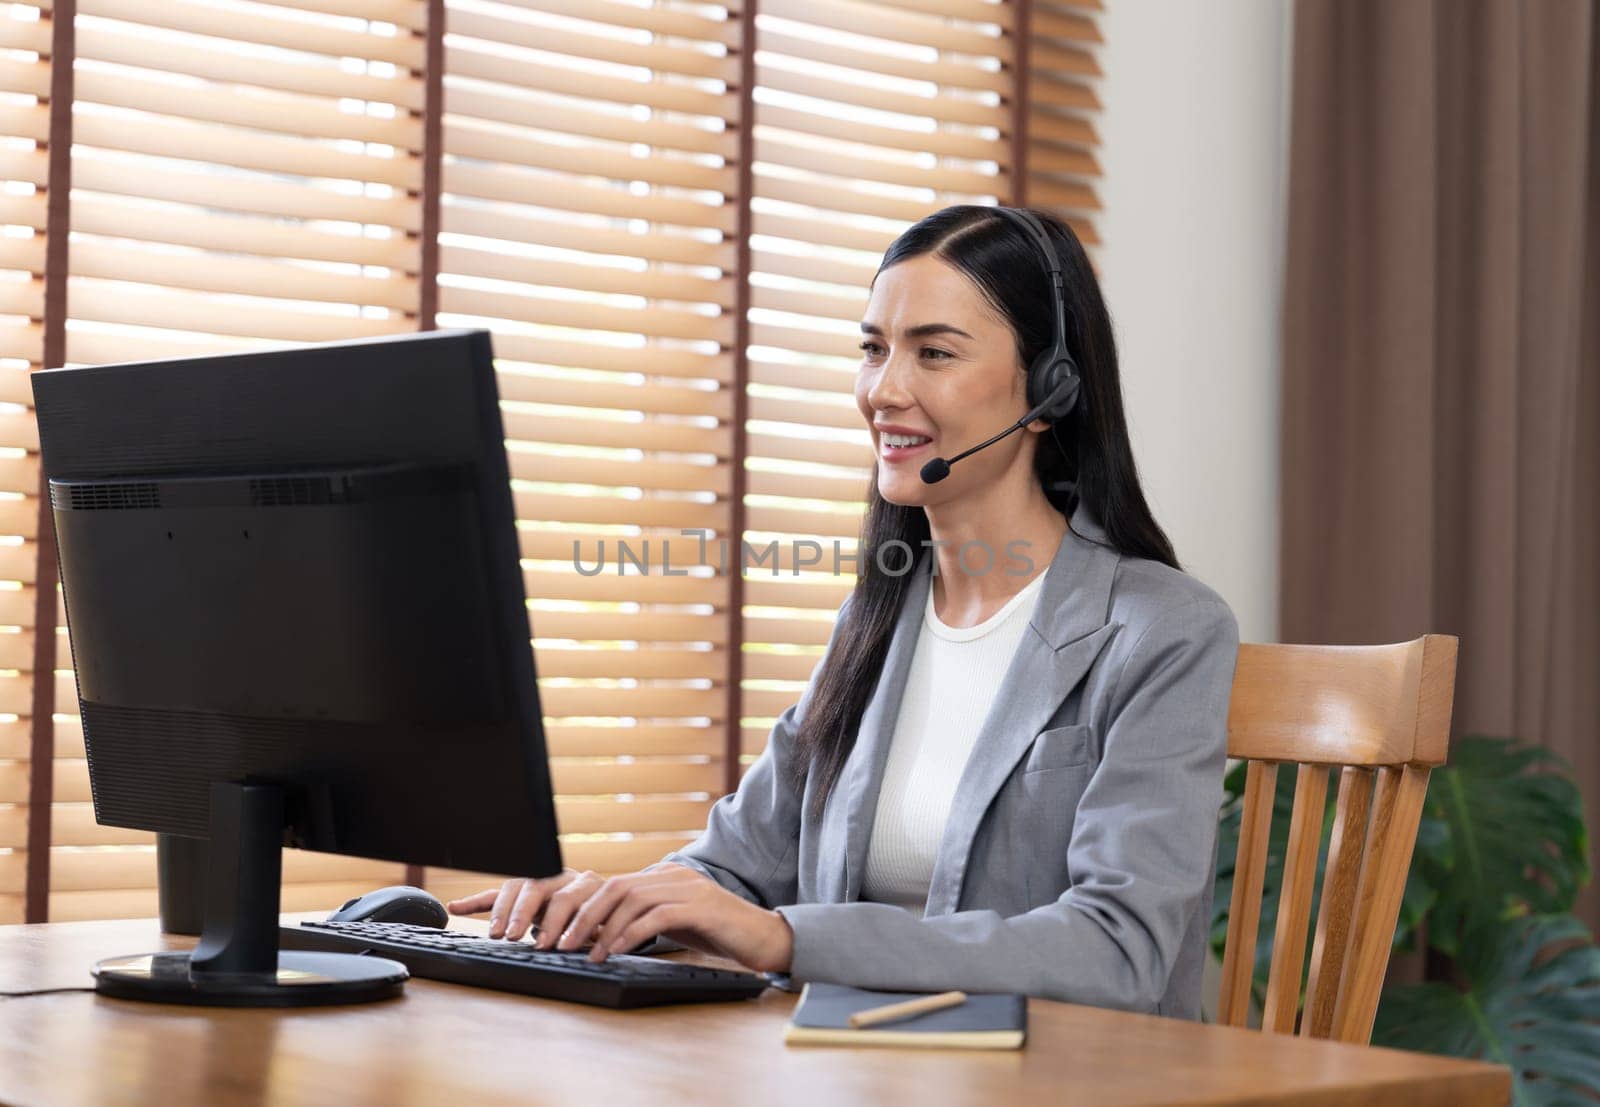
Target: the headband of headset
pixel 1032 227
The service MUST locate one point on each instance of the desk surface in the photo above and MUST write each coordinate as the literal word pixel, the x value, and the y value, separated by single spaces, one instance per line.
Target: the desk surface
pixel 444 1044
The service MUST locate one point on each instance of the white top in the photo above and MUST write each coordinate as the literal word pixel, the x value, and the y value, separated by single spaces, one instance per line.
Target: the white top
pixel 955 673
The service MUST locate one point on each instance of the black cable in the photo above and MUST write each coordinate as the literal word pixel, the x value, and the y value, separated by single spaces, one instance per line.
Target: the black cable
pixel 42 992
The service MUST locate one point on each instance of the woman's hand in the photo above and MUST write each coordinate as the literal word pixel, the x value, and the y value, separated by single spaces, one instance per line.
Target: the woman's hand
pixel 680 903
pixel 514 905
pixel 625 911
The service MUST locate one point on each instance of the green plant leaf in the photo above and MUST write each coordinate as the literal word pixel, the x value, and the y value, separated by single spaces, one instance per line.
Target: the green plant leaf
pixel 1433 842
pixel 1539 1017
pixel 1515 842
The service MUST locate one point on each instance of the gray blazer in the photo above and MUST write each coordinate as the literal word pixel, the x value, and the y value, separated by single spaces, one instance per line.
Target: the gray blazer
pixel 1078 857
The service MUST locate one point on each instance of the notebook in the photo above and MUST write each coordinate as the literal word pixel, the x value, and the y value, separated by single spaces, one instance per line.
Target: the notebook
pixel 984 1021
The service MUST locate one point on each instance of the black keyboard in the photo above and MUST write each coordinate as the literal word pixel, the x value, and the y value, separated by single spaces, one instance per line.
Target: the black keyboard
pixel 621 980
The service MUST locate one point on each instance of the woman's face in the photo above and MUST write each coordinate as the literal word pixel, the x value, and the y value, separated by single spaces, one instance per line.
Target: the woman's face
pixel 940 365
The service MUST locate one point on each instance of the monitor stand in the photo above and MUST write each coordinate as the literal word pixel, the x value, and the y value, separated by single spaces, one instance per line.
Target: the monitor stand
pixel 237 963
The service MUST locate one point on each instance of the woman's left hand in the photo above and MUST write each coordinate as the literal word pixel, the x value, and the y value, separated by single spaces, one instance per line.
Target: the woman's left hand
pixel 683 905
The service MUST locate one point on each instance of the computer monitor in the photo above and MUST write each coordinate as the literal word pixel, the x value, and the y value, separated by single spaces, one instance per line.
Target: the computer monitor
pixel 293 587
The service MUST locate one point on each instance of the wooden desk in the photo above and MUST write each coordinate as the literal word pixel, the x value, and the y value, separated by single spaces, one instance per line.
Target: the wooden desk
pixel 448 1045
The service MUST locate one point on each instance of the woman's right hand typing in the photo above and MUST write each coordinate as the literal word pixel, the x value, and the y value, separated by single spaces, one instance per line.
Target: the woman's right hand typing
pixel 516 904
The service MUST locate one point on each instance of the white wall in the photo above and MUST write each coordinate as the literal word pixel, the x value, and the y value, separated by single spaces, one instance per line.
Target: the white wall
pixel 1194 128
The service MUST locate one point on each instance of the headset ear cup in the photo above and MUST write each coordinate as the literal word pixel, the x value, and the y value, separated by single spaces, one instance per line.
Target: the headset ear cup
pixel 1069 399
pixel 1046 375
pixel 1039 379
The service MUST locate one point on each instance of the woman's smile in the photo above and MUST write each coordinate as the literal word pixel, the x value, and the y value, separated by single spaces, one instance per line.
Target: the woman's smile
pixel 901 444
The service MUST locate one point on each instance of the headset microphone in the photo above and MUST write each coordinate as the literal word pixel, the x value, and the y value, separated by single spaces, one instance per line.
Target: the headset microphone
pixel 1053 380
pixel 937 469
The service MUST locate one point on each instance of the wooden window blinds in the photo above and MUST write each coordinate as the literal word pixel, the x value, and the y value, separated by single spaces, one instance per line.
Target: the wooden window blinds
pixel 667 213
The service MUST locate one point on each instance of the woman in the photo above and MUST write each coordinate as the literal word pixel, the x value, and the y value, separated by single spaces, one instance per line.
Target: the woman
pixel 1005 772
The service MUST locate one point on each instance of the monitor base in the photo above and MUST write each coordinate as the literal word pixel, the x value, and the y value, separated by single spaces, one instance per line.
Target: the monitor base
pixel 301 980
pixel 237 962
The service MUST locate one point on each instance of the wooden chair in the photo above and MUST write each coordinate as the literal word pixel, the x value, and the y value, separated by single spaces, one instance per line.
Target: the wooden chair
pixel 1381 714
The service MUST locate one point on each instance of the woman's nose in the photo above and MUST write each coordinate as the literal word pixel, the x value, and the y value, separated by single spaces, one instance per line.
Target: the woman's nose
pixel 888 389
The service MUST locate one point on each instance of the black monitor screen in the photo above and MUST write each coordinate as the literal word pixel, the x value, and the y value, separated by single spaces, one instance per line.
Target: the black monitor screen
pixel 300 567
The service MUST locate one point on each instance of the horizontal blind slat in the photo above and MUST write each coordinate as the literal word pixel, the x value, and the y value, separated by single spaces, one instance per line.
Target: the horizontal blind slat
pixel 846 274
pixel 616 511
pixel 283 74
pixel 659 57
pixel 255 194
pixel 676 22
pixel 661 361
pixel 840 199
pixel 15 34
pixel 165 137
pixel 835 379
pixel 654 475
pixel 555 312
pixel 88 347
pixel 657 398
pixel 1067 129
pixel 1064 25
pixel 115 302
pixel 949 72
pixel 525 227
pixel 25 121
pixel 242 276
pixel 827 305
pixel 819 232
pixel 550 190
pixel 410 14
pixel 912 27
pixel 971 11
pixel 1063 94
pixel 232 105
pixel 468 141
pixel 478 65
pixel 569 116
pixel 575 429
pixel 946 143
pixel 1047 57
pixel 99 214
pixel 647 664
pixel 941 108
pixel 240 24
pixel 817 451
pixel 24 77
pixel 836 162
pixel 642 739
pixel 656 284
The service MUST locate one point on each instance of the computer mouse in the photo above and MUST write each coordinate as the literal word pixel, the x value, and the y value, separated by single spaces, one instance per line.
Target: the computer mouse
pixel 398 904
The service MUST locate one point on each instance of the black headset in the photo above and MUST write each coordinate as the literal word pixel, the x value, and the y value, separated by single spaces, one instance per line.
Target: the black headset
pixel 1053 377
pixel 1053 381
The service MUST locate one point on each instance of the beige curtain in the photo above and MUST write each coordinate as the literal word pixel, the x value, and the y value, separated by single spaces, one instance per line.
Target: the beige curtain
pixel 1442 353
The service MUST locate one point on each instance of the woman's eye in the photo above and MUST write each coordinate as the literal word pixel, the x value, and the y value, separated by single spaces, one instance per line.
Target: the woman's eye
pixel 872 349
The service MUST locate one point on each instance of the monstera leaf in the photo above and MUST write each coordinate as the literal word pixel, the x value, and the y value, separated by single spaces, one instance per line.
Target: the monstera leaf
pixel 1539 1017
pixel 1514 840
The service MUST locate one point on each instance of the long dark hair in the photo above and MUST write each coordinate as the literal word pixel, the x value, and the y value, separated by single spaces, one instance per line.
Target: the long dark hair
pixel 1087 458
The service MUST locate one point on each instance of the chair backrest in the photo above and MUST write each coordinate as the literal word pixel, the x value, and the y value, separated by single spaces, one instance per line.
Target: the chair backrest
pixel 1381 716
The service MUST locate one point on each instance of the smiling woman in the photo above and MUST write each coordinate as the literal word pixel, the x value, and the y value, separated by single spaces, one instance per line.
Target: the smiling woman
pixel 1005 772
pixel 962 305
